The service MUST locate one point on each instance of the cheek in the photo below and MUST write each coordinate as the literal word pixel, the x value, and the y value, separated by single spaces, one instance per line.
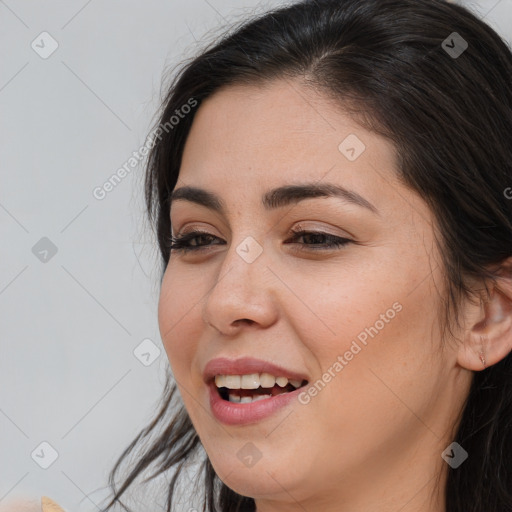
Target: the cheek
pixel 339 306
pixel 388 369
pixel 381 323
pixel 179 320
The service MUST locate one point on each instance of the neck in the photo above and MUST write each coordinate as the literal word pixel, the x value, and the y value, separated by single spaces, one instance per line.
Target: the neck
pixel 407 487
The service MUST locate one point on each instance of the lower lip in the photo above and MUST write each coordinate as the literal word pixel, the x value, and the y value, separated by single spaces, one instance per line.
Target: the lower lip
pixel 233 413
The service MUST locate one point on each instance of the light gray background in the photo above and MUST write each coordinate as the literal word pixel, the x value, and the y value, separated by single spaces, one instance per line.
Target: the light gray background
pixel 69 326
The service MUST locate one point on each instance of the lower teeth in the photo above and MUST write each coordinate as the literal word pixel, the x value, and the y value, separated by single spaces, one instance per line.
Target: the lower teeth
pixel 246 399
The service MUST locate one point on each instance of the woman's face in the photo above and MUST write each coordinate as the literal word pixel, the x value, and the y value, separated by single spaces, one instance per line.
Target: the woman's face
pixel 359 321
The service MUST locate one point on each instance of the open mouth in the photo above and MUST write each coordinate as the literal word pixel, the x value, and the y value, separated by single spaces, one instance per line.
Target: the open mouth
pixel 253 387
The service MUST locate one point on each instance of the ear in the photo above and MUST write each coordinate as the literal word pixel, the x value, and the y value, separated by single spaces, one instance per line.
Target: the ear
pixel 488 335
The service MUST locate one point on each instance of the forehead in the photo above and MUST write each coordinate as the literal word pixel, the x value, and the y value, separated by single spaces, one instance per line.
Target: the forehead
pixel 252 138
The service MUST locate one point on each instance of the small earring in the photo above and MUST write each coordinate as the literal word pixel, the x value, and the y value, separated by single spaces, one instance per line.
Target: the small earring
pixel 482 355
pixel 482 358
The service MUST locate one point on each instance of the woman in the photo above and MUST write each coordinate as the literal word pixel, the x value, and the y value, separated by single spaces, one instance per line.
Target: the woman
pixel 331 190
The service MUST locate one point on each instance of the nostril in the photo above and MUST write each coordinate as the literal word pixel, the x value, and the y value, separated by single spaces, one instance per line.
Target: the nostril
pixel 245 320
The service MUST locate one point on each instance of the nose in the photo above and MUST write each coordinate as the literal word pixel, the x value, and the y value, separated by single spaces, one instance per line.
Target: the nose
pixel 242 294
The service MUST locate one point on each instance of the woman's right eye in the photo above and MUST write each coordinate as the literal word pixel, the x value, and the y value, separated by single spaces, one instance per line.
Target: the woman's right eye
pixel 182 243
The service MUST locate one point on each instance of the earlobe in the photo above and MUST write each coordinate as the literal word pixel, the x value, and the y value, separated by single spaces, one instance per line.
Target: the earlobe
pixel 471 357
pixel 488 340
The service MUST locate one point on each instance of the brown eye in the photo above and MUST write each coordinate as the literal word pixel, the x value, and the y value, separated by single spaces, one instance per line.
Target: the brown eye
pixel 183 243
pixel 330 241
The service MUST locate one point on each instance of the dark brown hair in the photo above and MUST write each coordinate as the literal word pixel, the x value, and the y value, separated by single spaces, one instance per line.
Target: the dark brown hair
pixel 449 117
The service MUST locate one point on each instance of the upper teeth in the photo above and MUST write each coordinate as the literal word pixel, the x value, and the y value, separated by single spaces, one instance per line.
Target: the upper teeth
pixel 253 381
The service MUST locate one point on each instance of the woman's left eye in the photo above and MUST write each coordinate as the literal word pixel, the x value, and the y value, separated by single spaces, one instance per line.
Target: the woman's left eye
pixel 333 242
pixel 182 243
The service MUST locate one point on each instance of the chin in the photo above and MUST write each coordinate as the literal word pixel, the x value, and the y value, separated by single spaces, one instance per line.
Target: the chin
pixel 255 484
pixel 264 479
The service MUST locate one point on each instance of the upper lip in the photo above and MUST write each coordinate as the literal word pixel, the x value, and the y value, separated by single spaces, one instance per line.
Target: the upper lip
pixel 245 366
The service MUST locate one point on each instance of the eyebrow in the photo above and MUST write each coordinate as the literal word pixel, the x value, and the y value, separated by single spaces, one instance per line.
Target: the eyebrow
pixel 275 198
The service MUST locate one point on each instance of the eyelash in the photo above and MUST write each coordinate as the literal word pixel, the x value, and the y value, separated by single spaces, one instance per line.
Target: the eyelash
pixel 181 243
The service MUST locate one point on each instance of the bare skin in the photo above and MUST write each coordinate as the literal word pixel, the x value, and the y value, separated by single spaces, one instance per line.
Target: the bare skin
pixel 372 438
pixel 21 505
pixel 44 504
